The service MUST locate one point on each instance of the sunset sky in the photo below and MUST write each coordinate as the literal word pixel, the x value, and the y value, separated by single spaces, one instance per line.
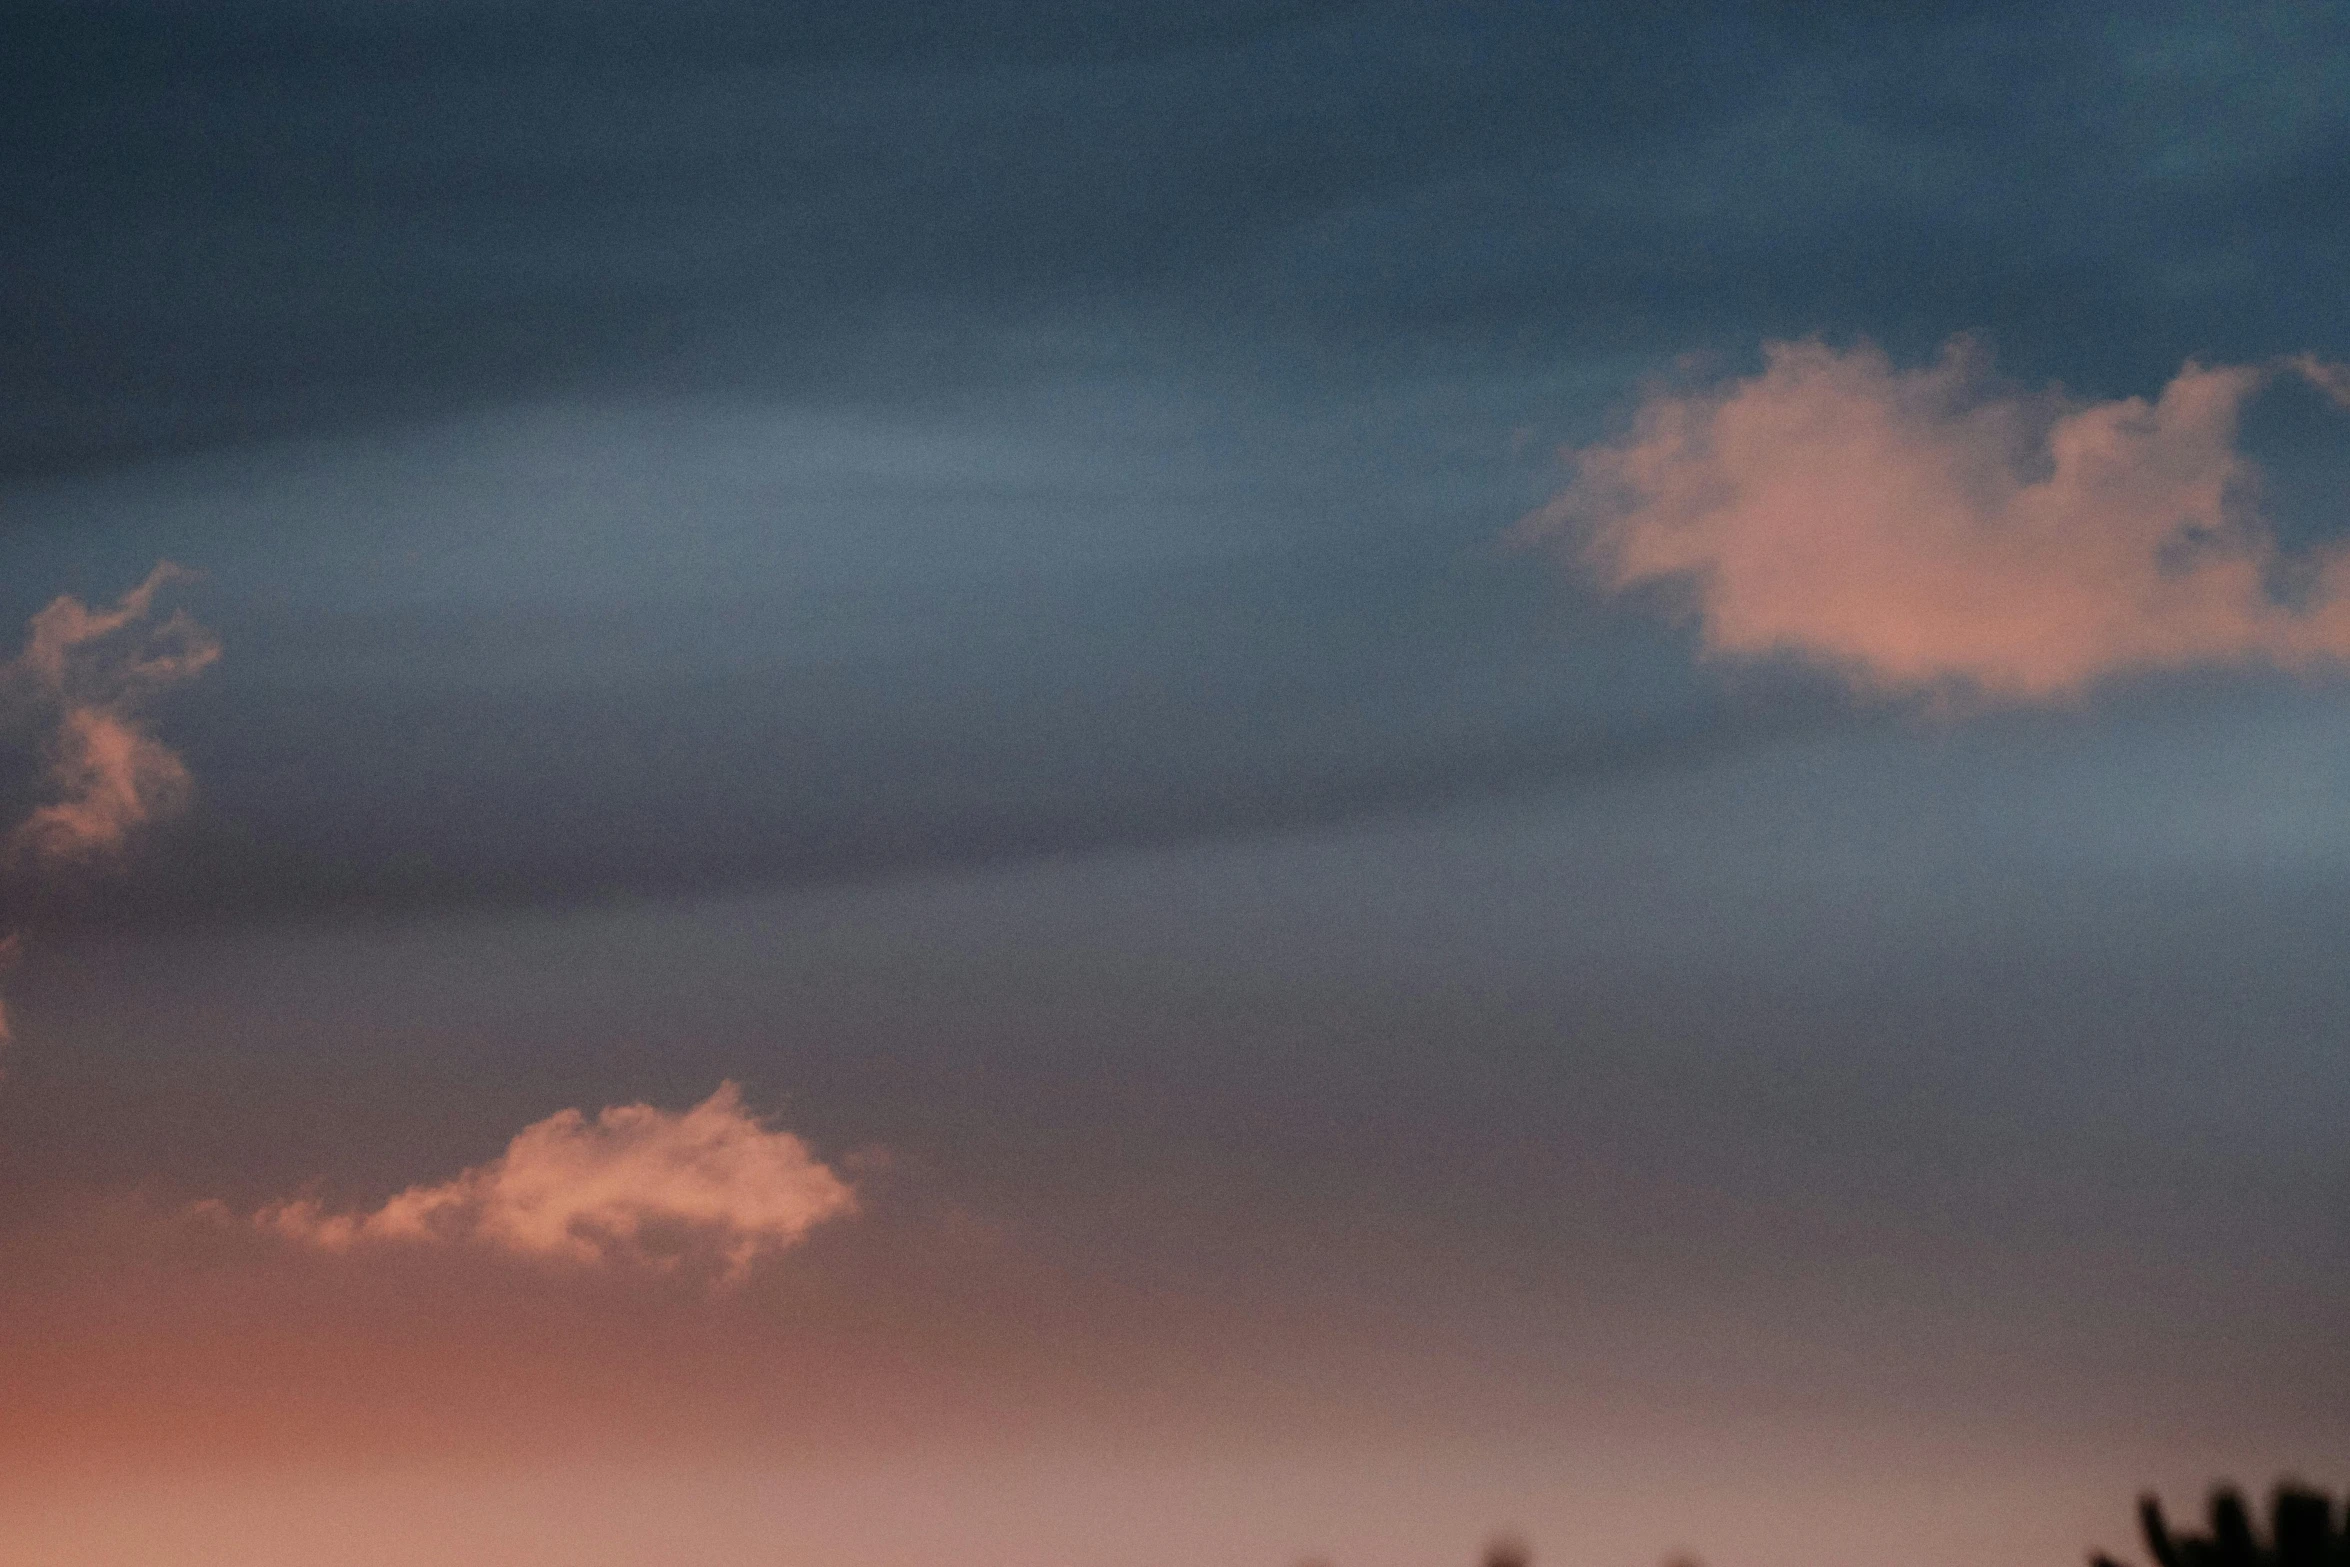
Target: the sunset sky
pixel 1092 784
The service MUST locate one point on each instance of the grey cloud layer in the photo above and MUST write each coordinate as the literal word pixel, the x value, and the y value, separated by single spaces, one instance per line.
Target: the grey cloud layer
pixel 994 431
pixel 238 222
pixel 660 645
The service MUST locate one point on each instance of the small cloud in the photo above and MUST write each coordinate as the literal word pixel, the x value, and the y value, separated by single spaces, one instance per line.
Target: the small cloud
pixel 82 676
pixel 86 673
pixel 635 1185
pixel 1921 533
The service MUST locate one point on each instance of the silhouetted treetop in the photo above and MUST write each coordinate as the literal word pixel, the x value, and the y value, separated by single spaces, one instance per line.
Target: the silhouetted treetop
pixel 1508 1550
pixel 2305 1530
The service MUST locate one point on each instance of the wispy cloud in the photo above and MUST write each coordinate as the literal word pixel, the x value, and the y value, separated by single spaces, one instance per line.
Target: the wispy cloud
pixel 2331 379
pixel 1920 531
pixel 81 680
pixel 636 1185
pixel 84 674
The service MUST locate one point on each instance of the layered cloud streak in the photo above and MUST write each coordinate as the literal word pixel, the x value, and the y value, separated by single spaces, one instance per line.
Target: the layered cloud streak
pixel 636 1185
pixel 1921 532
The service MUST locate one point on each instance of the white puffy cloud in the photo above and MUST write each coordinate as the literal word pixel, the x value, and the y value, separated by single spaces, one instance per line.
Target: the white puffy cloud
pixel 634 1185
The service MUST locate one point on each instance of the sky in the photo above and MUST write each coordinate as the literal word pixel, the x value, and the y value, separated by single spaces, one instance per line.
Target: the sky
pixel 1169 786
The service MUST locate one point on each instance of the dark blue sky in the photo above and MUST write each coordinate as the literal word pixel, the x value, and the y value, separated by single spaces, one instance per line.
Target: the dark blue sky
pixel 962 566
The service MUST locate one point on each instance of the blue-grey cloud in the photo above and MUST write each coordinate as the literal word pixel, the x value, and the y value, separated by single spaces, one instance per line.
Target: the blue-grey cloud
pixel 286 216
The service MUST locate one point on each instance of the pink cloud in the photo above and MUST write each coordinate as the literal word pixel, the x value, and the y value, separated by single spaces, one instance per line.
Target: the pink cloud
pixel 87 672
pixel 635 1185
pixel 82 676
pixel 2331 379
pixel 114 776
pixel 1922 533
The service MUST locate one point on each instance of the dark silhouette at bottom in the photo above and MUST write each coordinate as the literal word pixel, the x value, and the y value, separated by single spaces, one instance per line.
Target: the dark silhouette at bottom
pixel 2305 1530
pixel 1507 1550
